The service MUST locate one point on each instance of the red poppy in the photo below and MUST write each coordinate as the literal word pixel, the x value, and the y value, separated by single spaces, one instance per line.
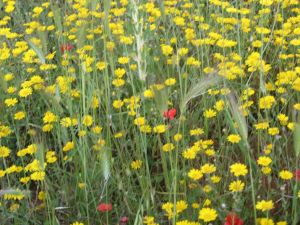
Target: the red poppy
pixel 170 114
pixel 103 207
pixel 66 47
pixel 297 175
pixel 124 220
pixel 233 219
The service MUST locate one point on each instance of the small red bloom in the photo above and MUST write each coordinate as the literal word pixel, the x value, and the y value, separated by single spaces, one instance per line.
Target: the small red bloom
pixel 66 47
pixel 124 220
pixel 170 114
pixel 297 175
pixel 103 207
pixel 233 219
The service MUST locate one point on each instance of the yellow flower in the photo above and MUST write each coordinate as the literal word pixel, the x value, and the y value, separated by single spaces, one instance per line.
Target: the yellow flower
pixel 4 151
pixel 51 157
pixel 197 131
pixel 285 175
pixel 8 77
pixel 283 119
pixel 219 106
pixel 25 92
pixel 297 106
pixel 166 50
pixel 266 102
pixel 136 164
pixel 266 170
pixel 236 186
pixel 273 131
pixel 266 2
pixel 47 127
pixel 170 81
pixel 77 223
pixel 189 153
pixel 123 60
pixel 208 214
pixel 209 113
pixel 168 207
pixel 66 122
pixel 38 176
pixel 261 126
pixel 181 206
pixel 145 128
pixel 139 121
pixel 208 168
pixel 159 129
pixel 264 161
pixel 238 169
pixel 195 174
pixel 87 120
pixel 19 115
pixel 101 65
pixel 120 72
pixel 68 146
pixel 168 147
pixel 118 82
pixel 265 221
pixel 11 102
pixel 49 117
pixel 148 93
pixel 215 179
pixel 264 205
pixel 182 51
pixel 281 223
pixel 179 21
pixel 177 137
pixel 117 104
pixel 234 138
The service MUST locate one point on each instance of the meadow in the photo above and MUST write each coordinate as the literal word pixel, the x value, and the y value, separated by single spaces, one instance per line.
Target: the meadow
pixel 131 112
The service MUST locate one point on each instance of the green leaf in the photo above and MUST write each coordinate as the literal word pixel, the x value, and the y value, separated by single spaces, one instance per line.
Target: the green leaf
pixel 199 88
pixel 297 139
pixel 238 116
pixel 38 51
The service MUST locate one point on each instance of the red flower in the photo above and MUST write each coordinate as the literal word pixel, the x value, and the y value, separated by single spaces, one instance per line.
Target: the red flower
pixel 170 114
pixel 124 220
pixel 233 219
pixel 297 175
pixel 103 207
pixel 66 47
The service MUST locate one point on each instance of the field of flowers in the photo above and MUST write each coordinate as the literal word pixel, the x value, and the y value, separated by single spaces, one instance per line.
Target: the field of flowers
pixel 131 112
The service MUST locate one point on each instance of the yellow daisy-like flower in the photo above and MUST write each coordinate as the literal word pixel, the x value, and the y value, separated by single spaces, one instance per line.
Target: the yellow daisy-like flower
pixel 195 174
pixel 87 120
pixel 170 81
pixel 210 113
pixel 159 129
pixel 234 138
pixel 166 49
pixel 197 131
pixel 264 161
pixel 238 169
pixel 4 151
pixel 19 115
pixel 237 186
pixel 168 147
pixel 265 205
pixel 77 223
pixel 208 214
pixel 208 168
pixel 136 164
pixel 285 175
